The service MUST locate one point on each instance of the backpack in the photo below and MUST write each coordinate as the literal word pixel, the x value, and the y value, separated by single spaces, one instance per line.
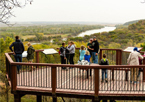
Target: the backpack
pixel 60 50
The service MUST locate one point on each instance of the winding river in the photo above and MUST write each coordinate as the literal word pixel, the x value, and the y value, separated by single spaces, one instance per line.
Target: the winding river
pixel 89 32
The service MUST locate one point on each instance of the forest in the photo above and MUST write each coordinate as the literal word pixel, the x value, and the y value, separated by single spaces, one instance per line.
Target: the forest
pixel 122 37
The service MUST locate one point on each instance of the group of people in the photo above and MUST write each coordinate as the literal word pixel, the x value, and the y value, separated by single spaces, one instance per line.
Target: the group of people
pixel 19 49
pixel 67 54
pixel 85 54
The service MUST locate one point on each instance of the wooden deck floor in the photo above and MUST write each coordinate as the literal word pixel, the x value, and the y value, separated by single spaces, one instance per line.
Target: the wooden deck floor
pixel 74 81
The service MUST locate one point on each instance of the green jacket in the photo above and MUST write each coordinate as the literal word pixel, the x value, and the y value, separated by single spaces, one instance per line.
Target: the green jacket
pixel 30 53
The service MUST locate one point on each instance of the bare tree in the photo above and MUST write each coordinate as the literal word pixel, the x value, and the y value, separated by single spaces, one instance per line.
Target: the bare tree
pixel 6 7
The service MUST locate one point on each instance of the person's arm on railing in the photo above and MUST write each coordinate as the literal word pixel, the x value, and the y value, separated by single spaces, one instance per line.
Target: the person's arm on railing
pixel 10 47
pixel 22 47
pixel 140 56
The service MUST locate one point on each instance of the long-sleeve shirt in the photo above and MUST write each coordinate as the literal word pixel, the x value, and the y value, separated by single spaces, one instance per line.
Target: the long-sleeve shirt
pixel 18 47
pixel 95 46
pixel 133 58
pixel 63 51
pixel 71 49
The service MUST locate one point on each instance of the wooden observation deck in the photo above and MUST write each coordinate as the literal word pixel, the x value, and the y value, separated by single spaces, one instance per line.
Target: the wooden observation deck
pixel 51 80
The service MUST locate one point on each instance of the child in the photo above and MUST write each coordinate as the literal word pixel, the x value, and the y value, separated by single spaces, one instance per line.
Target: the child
pixel 104 61
pixel 87 57
pixel 30 54
pixel 82 52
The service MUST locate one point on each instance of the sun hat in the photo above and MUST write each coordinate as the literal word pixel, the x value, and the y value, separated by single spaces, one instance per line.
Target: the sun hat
pixel 135 49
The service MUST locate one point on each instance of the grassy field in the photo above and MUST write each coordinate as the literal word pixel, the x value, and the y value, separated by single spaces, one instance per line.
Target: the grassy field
pixel 32 36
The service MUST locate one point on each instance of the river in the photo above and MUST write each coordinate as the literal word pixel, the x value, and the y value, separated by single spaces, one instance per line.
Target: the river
pixel 90 32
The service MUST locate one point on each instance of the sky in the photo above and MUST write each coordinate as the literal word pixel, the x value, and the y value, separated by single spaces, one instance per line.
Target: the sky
pixel 103 11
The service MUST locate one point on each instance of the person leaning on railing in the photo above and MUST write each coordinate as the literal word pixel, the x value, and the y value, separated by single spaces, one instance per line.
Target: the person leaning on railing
pixel 133 60
pixel 18 50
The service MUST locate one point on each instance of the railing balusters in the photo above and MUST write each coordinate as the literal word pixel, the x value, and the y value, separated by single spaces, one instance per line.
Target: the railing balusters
pixel 14 78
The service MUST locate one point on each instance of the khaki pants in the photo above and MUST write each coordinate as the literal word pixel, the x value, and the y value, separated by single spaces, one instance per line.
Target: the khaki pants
pixel 134 73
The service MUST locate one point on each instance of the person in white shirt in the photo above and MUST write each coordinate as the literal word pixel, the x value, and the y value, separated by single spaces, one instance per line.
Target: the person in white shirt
pixel 71 49
pixel 133 60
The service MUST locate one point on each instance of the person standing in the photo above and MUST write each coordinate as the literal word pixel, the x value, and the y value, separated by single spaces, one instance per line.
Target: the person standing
pixel 82 52
pixel 95 50
pixel 71 49
pixel 67 53
pixel 63 54
pixel 133 60
pixel 87 57
pixel 104 61
pixel 18 50
pixel 30 54
pixel 89 46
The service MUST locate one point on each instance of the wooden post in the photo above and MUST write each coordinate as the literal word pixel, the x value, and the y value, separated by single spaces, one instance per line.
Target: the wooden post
pixel 14 78
pixel 96 72
pixel 17 98
pixel 100 57
pixel 39 98
pixel 117 53
pixel 53 84
pixel 37 57
pixel 144 70
pixel 120 57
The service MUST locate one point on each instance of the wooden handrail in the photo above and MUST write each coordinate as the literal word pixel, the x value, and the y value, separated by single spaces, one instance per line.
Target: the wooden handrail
pixel 8 57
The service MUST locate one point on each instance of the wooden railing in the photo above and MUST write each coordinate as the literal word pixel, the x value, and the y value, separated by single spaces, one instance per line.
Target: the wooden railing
pixel 52 76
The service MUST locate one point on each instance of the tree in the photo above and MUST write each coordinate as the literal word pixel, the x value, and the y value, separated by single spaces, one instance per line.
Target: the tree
pixel 39 36
pixel 6 7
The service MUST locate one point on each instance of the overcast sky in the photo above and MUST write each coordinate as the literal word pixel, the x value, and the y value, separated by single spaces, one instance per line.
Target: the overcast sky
pixel 107 11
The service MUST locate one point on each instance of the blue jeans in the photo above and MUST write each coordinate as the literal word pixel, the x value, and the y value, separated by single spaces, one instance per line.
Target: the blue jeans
pixel 95 57
pixel 18 58
pixel 104 71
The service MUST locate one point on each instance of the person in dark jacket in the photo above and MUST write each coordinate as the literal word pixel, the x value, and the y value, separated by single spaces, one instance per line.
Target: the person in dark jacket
pixel 95 50
pixel 89 46
pixel 104 61
pixel 63 54
pixel 30 54
pixel 18 50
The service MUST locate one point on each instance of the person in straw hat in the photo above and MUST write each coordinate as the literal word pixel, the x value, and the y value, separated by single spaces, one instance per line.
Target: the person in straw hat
pixel 30 54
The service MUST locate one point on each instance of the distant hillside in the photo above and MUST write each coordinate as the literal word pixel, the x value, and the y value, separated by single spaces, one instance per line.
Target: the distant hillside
pixel 121 37
pixel 131 22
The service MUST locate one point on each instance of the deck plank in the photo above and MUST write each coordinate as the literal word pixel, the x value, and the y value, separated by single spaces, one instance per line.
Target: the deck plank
pixel 74 81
